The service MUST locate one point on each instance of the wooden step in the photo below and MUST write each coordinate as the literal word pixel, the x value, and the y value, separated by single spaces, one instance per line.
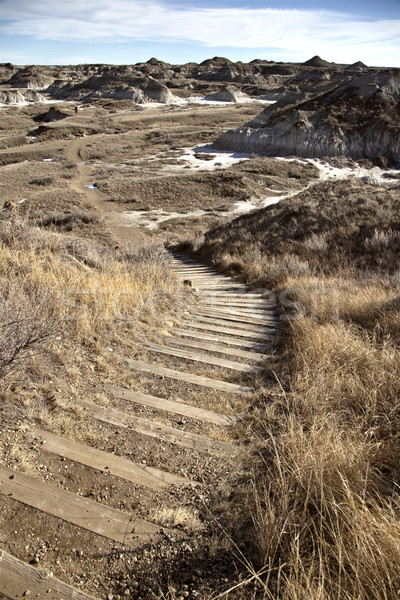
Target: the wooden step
pixel 234 323
pixel 199 272
pixel 215 384
pixel 207 326
pixel 207 359
pixel 222 339
pixel 258 310
pixel 237 311
pixel 233 316
pixel 215 348
pixel 248 294
pixel 171 406
pixel 231 301
pixel 109 463
pixel 207 277
pixel 221 286
pixel 186 439
pixel 88 514
pixel 18 579
pixel 264 315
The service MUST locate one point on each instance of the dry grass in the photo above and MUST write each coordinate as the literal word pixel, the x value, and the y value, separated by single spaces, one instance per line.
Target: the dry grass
pixel 325 500
pixel 64 299
pixel 182 517
pixel 321 516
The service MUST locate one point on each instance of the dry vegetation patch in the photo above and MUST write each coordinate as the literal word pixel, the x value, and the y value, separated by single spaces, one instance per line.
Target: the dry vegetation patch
pixel 65 299
pixel 322 513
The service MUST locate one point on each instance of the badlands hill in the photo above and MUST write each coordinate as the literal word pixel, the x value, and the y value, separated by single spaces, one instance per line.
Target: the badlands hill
pixel 359 118
pixel 151 80
pixel 320 108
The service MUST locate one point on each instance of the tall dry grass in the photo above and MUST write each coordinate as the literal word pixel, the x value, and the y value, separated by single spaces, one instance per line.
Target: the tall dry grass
pixel 64 299
pixel 325 497
pixel 321 516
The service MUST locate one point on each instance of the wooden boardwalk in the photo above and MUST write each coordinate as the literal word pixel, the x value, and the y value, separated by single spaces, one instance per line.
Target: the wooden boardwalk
pixel 229 329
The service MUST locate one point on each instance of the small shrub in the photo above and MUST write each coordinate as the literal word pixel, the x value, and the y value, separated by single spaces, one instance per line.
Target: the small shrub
pixel 43 181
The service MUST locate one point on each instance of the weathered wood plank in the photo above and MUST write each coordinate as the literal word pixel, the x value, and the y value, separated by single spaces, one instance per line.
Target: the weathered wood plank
pixel 222 339
pixel 156 430
pixel 239 311
pixel 88 514
pixel 189 377
pixel 109 463
pixel 245 294
pixel 257 304
pixel 207 326
pixel 19 579
pixel 228 286
pixel 232 315
pixel 212 347
pixel 233 323
pixel 178 408
pixel 199 271
pixel 204 358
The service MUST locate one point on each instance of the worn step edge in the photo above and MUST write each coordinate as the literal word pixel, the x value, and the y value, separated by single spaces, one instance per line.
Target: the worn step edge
pixel 214 347
pixel 233 316
pixel 258 310
pixel 186 439
pixel 205 358
pixel 189 377
pixel 109 463
pixel 171 406
pixel 220 286
pixel 221 339
pixel 88 514
pixel 234 323
pixel 246 294
pixel 209 326
pixel 18 579
pixel 233 302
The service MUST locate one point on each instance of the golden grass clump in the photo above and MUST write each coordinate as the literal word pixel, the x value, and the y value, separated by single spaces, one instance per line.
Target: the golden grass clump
pixel 64 299
pixel 325 497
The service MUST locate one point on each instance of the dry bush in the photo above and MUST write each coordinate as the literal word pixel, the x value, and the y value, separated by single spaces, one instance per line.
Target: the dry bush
pixel 28 320
pixel 68 220
pixel 42 181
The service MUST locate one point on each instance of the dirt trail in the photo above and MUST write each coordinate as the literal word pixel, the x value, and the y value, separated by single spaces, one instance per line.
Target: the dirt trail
pixel 111 213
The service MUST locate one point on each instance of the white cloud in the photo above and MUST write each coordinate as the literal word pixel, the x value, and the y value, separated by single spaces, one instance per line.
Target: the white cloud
pixel 297 33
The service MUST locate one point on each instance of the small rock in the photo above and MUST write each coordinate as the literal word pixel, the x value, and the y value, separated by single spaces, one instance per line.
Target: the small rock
pixel 26 593
pixel 110 597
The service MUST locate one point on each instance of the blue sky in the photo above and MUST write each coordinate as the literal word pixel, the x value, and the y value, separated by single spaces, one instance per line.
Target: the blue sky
pixel 130 31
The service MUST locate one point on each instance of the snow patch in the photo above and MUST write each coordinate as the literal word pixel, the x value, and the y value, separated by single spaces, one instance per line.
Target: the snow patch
pixel 205 158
